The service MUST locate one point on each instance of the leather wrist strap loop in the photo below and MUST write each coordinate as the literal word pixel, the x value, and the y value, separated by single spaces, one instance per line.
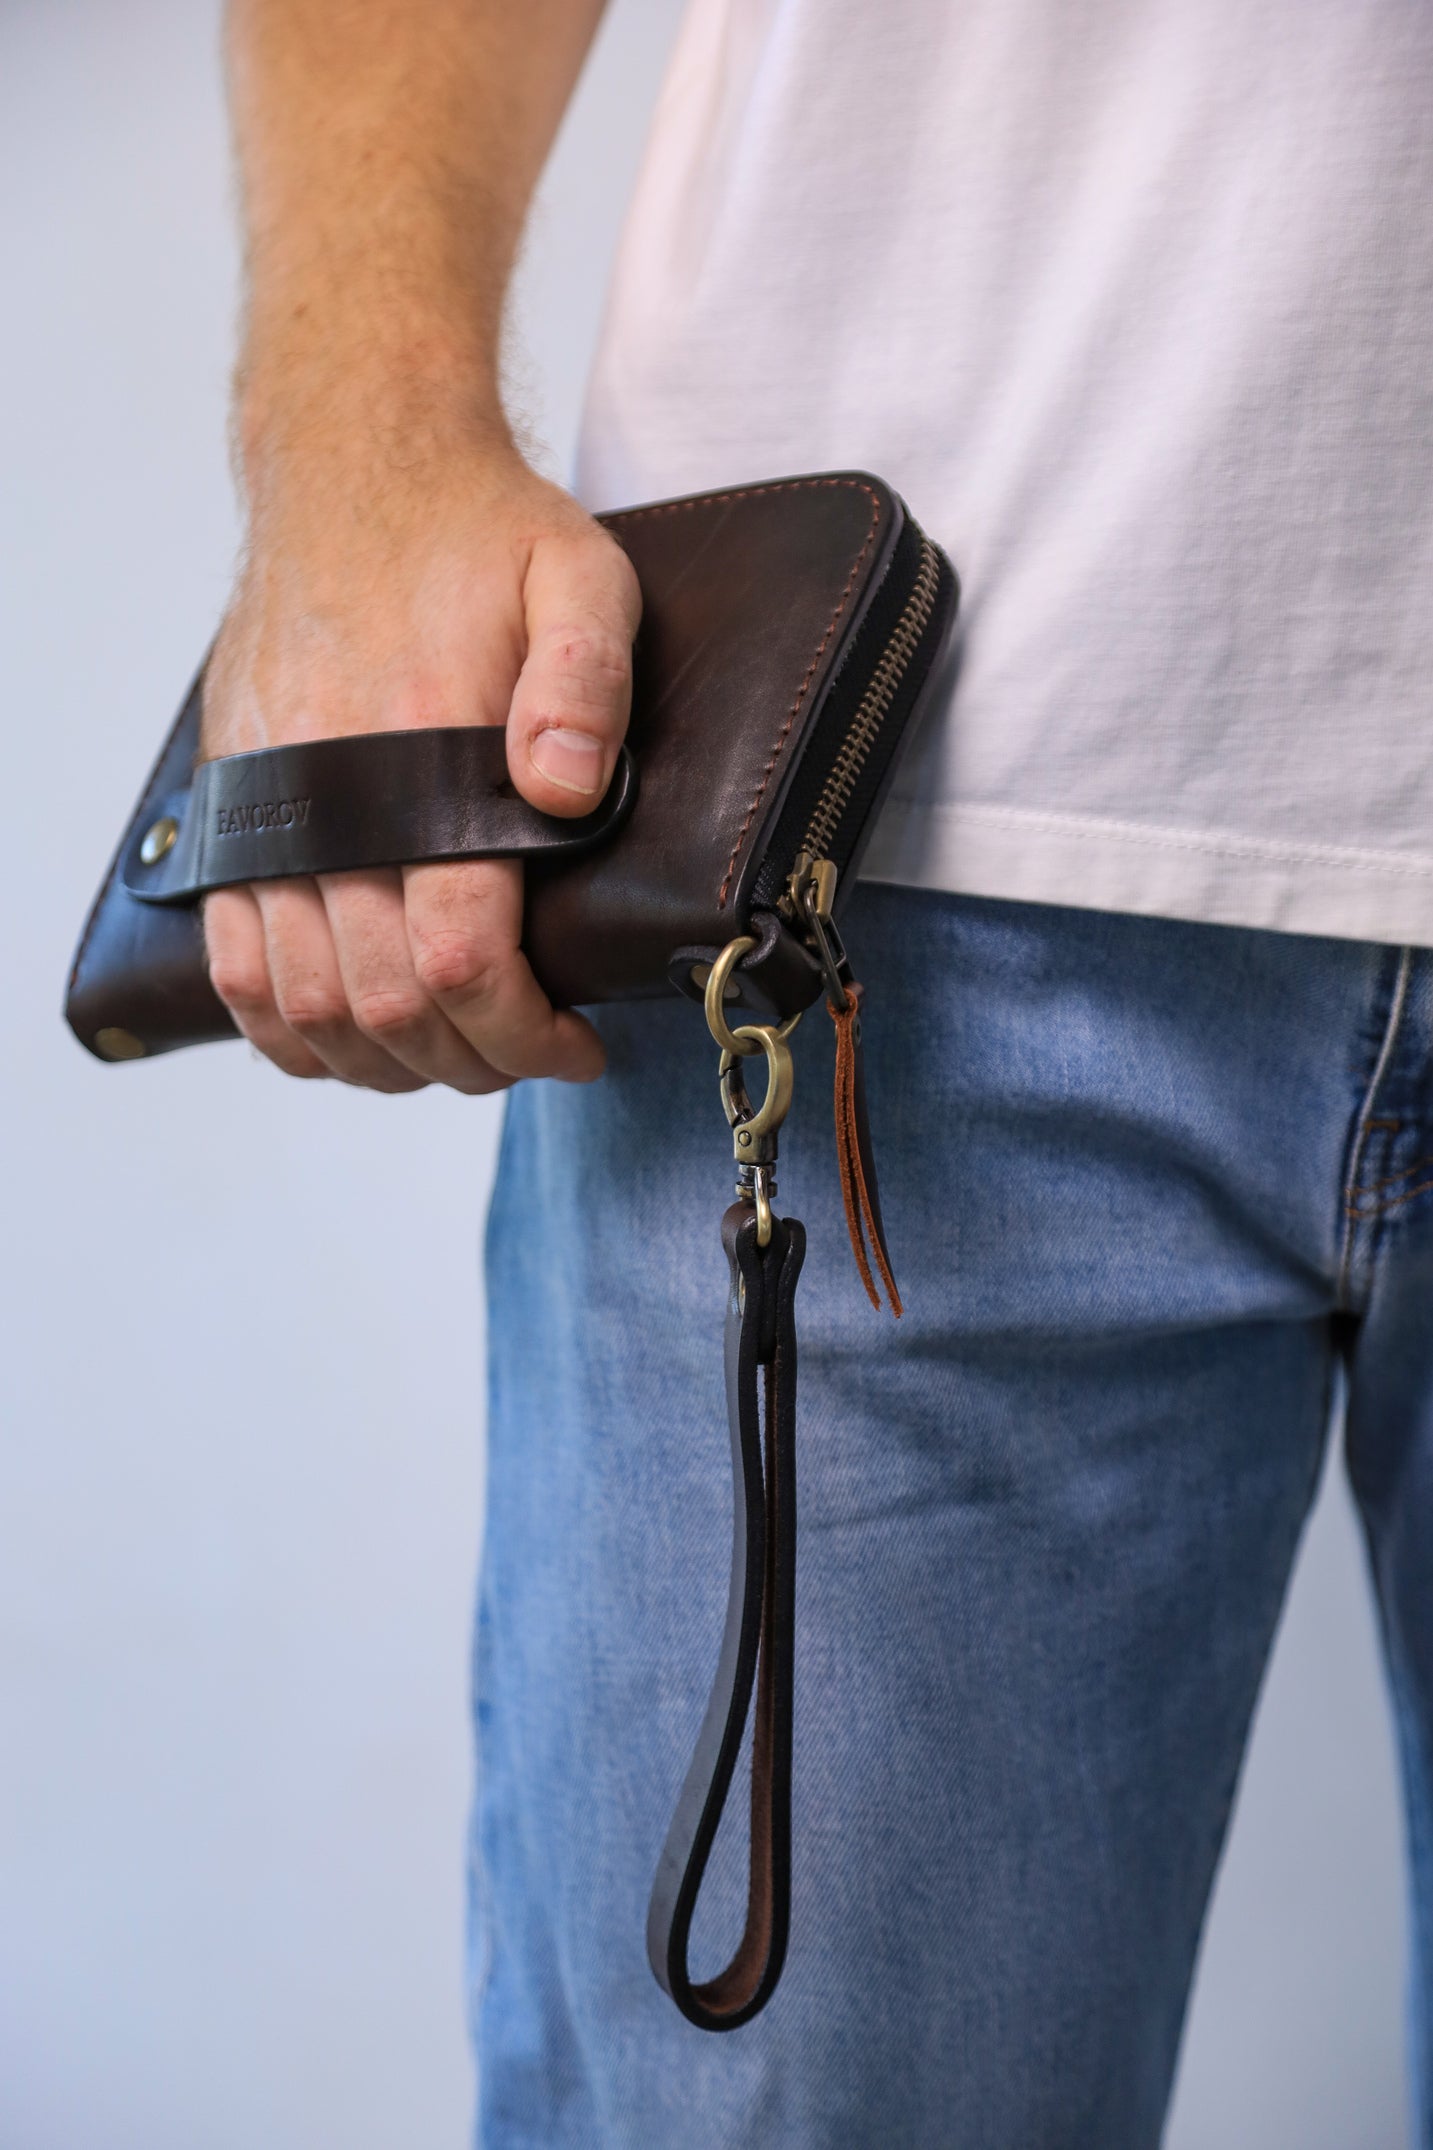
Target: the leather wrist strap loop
pixel 365 800
pixel 756 1648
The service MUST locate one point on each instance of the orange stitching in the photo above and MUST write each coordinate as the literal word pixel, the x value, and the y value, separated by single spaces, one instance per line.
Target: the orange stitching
pixel 1381 1209
pixel 752 492
pixel 739 492
pixel 1418 1165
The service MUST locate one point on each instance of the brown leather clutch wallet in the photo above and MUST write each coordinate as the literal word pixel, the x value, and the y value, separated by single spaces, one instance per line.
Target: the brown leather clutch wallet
pixel 788 632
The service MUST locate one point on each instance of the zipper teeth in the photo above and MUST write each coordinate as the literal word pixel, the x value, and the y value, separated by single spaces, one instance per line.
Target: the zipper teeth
pixel 875 702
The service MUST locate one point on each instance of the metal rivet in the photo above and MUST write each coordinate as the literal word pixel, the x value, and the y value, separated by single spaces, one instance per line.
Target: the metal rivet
pixel 742 1136
pixel 117 1044
pixel 159 839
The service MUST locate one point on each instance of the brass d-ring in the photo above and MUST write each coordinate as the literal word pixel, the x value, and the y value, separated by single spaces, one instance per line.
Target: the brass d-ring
pixel 745 1040
pixel 714 997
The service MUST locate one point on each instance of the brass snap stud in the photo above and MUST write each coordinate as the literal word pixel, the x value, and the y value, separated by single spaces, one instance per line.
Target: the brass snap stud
pixel 117 1044
pixel 159 839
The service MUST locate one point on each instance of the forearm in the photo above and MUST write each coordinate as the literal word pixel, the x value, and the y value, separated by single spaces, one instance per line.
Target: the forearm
pixel 405 567
pixel 387 152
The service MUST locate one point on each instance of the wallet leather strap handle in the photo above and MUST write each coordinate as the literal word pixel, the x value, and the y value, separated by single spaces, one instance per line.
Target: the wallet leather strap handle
pixel 369 799
pixel 756 1649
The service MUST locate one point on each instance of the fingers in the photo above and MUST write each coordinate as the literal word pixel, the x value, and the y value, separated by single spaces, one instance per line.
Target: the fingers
pixel 570 706
pixel 272 963
pixel 309 991
pixel 390 1006
pixel 239 974
pixel 464 926
pixel 393 984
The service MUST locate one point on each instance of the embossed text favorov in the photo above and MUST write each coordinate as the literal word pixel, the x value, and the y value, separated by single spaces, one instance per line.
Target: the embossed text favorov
pixel 258 814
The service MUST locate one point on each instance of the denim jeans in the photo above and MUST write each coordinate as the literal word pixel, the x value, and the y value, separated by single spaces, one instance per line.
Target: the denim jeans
pixel 1147 1184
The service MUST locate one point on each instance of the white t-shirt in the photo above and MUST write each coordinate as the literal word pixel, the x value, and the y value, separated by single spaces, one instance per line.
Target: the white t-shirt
pixel 1133 301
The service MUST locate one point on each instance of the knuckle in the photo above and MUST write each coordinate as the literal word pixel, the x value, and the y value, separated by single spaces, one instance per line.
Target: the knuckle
pixel 388 1012
pixel 449 961
pixel 622 590
pixel 588 657
pixel 605 557
pixel 312 1011
pixel 242 986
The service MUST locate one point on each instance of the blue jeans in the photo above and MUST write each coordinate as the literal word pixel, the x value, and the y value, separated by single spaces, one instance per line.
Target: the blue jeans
pixel 1147 1185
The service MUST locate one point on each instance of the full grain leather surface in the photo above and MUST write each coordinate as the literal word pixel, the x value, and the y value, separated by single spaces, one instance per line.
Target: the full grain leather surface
pixel 750 598
pixel 370 799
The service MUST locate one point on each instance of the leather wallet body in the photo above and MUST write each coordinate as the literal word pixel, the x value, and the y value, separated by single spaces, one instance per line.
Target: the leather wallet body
pixel 788 632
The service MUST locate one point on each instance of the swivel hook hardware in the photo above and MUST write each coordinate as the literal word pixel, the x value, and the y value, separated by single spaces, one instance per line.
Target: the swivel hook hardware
pixel 754 1128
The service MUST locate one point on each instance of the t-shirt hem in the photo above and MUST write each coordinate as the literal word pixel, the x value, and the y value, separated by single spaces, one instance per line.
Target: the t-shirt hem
pixel 1211 877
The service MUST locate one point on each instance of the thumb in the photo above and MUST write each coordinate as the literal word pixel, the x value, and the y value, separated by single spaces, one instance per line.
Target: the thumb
pixel 570 706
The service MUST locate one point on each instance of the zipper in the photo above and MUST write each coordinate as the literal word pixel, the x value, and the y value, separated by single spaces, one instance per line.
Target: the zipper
pixel 833 803
pixel 831 830
pixel 870 715
pixel 810 889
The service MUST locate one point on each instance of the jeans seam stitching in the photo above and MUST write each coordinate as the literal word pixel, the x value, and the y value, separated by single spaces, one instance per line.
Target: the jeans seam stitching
pixel 1381 1209
pixel 1365 1122
pixel 1391 1179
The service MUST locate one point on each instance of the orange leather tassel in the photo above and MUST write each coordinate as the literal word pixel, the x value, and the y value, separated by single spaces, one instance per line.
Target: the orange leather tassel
pixel 859 1191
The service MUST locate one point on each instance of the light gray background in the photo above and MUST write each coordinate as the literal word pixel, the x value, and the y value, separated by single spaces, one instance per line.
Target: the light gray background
pixel 241 1354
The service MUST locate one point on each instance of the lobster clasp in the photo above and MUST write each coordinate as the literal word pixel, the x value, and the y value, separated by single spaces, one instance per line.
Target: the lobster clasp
pixel 754 1129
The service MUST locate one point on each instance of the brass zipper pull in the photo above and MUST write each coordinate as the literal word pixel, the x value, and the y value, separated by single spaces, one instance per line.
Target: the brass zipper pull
pixel 811 888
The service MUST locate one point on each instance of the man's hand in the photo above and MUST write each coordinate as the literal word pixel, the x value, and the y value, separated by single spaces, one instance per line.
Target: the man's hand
pixel 404 566
pixel 464 590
